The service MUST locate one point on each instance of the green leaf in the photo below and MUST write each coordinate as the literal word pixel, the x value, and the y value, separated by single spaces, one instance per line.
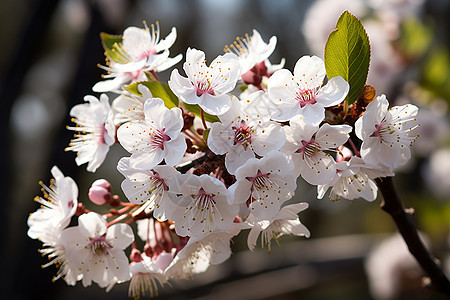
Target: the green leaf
pixel 347 54
pixel 113 50
pixel 206 134
pixel 195 109
pixel 158 90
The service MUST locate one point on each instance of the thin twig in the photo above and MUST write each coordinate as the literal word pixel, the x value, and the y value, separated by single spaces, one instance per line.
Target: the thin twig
pixel 404 220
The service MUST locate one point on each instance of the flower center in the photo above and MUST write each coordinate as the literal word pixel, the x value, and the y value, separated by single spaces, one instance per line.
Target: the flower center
pixel 259 182
pixel 309 148
pixel 203 200
pixel 158 138
pixel 242 134
pixel 99 245
pixel 306 96
pixel 203 87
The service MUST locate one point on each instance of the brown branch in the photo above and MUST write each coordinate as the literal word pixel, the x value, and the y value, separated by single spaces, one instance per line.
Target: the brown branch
pixel 404 220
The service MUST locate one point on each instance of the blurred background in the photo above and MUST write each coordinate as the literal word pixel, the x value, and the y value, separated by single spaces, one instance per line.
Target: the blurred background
pixel 48 63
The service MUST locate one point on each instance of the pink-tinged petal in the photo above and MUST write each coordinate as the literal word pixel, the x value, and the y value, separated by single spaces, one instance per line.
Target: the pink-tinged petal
pixel 319 169
pixel 168 41
pixel 253 237
pixel 111 84
pixel 300 130
pixel 310 68
pixel 270 137
pixel 127 135
pixel 174 150
pixel 120 265
pixel 91 225
pixel 332 136
pixel 215 105
pixel 98 157
pixel 291 211
pixel 147 160
pixel 281 86
pixel 183 88
pixel 334 92
pixel 313 114
pixel 220 138
pixel 265 209
pixel 193 58
pixel 168 63
pixel 236 157
pixel 296 228
pixel 120 236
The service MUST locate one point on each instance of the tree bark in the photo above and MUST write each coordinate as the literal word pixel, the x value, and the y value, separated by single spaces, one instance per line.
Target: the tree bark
pixel 405 223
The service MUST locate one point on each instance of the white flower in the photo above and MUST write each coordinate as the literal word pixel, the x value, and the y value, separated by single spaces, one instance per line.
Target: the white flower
pixel 95 131
pixel 141 50
pixel 201 252
pixel 264 184
pixel 148 187
pixel 306 144
pixel 98 251
pixel 203 205
pixel 58 207
pixel 286 221
pixel 207 86
pixel 354 179
pixel 245 130
pixel 57 254
pixel 252 50
pixel 121 75
pixel 141 44
pixel 386 134
pixel 130 107
pixel 154 138
pixel 146 279
pixel 302 93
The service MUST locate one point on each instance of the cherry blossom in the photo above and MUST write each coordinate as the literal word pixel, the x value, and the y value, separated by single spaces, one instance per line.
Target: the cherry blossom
pixel 201 252
pixel 141 50
pixel 207 86
pixel 386 133
pixel 148 187
pixel 303 93
pixel 130 107
pixel 146 279
pixel 306 144
pixel 286 221
pixel 154 138
pixel 264 184
pixel 95 131
pixel 245 131
pixel 98 251
pixel 252 50
pixel 354 179
pixel 203 205
pixel 58 206
pixel 53 248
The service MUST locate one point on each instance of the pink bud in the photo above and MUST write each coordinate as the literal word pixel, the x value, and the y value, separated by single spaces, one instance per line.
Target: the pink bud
pixel 102 183
pixel 135 255
pixel 252 77
pixel 100 192
pixel 344 154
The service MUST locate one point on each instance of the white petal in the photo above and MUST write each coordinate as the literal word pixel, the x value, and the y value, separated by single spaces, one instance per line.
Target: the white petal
pixel 334 92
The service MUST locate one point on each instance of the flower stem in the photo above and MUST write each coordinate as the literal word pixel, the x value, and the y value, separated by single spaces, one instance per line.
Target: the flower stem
pixel 203 118
pixel 355 150
pixel 403 218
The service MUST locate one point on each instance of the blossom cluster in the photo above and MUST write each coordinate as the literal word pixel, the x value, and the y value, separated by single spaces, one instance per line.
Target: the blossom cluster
pixel 208 160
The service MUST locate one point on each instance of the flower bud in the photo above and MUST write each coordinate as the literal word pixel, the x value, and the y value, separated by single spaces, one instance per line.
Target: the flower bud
pixel 100 192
